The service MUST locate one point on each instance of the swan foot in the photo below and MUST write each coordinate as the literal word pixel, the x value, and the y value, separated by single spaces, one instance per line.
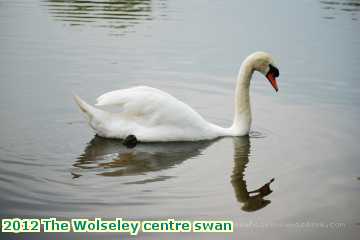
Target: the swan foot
pixel 130 141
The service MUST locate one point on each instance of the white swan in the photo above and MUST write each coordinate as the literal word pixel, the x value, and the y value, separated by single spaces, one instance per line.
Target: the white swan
pixel 150 115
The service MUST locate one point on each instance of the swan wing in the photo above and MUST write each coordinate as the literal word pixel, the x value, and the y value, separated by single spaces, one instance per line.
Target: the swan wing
pixel 138 94
pixel 150 105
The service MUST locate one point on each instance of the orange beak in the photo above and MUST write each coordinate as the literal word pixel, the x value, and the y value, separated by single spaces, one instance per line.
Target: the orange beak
pixel 271 76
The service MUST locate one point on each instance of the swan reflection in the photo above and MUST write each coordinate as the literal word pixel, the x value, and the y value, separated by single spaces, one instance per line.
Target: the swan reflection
pixel 251 200
pixel 111 158
pixel 107 157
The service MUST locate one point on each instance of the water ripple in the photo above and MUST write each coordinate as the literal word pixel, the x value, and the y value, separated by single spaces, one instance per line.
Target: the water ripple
pixel 333 8
pixel 114 14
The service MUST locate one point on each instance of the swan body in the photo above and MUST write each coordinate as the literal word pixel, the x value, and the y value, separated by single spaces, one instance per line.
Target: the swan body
pixel 153 115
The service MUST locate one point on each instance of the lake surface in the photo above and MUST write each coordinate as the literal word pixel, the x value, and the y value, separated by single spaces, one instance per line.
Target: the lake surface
pixel 305 137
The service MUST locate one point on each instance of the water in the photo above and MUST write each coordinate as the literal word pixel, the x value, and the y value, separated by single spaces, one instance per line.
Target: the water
pixel 305 137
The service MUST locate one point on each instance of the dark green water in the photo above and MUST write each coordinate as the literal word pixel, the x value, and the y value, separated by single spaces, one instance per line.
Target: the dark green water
pixel 307 134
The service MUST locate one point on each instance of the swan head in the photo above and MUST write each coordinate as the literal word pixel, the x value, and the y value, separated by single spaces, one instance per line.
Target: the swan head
pixel 264 63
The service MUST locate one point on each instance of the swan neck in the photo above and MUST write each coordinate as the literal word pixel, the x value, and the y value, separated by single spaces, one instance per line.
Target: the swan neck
pixel 242 118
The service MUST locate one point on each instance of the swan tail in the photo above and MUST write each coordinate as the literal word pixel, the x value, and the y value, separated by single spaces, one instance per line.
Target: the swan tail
pixel 91 112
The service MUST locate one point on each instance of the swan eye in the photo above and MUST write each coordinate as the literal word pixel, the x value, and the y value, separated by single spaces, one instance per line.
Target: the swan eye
pixel 274 70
